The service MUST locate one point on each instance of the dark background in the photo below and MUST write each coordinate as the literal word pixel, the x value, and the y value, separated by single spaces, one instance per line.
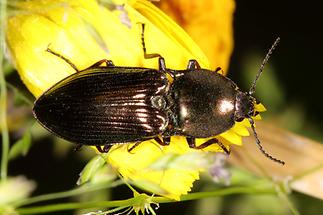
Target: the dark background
pixel 298 67
pixel 298 58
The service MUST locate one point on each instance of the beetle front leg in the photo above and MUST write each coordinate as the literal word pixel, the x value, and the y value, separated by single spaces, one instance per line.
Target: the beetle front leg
pixel 161 60
pixel 192 144
pixel 146 56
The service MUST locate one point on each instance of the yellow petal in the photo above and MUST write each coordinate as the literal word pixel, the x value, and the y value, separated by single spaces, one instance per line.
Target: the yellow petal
pixel 209 23
pixel 260 107
pixel 240 129
pixel 165 178
pixel 232 137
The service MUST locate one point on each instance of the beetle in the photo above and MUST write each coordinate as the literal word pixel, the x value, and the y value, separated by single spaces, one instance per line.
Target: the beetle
pixel 106 105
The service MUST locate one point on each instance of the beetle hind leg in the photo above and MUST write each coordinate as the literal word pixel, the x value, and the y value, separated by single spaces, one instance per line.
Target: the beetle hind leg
pixel 192 144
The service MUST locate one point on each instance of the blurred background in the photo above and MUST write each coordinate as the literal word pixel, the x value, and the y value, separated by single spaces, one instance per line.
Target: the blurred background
pixel 291 85
pixel 290 88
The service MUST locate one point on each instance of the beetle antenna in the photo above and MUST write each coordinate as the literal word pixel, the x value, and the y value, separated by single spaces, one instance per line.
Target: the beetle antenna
pixel 265 60
pixel 252 123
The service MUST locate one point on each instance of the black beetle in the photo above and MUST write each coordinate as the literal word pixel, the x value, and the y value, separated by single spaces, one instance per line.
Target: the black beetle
pixel 107 105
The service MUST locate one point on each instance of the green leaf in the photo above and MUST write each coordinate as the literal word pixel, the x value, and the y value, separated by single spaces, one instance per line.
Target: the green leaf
pixel 91 168
pixel 21 147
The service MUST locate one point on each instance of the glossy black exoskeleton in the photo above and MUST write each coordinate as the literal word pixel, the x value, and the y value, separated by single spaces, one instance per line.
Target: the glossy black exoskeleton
pixel 107 105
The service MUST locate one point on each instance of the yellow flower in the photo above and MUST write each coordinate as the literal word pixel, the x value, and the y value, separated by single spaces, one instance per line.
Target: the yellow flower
pixel 209 23
pixel 85 31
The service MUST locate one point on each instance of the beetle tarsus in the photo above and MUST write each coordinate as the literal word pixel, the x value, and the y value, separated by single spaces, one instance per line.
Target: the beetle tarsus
pixel 147 56
pixel 192 144
pixel 133 147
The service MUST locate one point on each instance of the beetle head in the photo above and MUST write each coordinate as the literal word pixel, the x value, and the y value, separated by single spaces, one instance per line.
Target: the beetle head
pixel 244 106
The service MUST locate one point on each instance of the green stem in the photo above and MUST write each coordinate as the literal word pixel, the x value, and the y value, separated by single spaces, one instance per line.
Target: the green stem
pixel 283 196
pixel 79 205
pixel 65 194
pixel 220 192
pixel 139 199
pixel 3 95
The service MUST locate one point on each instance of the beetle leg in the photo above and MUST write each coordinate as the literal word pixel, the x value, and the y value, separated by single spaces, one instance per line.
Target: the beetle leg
pixel 161 142
pixel 62 57
pixel 193 64
pixel 108 63
pixel 99 149
pixel 162 67
pixel 191 143
pixel 105 148
pixel 166 140
pixel 162 64
pixel 146 56
pixel 219 70
pixel 134 146
pixel 161 60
